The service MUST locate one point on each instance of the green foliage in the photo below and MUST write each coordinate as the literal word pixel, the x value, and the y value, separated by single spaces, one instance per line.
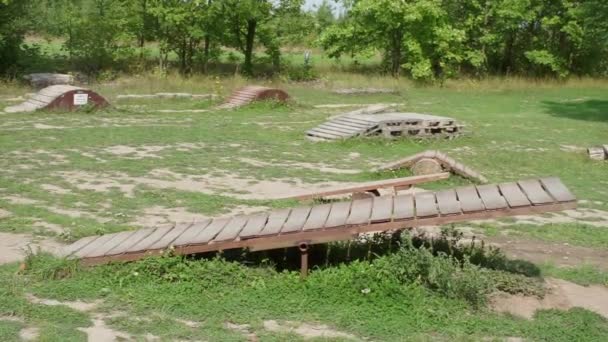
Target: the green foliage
pixel 13 25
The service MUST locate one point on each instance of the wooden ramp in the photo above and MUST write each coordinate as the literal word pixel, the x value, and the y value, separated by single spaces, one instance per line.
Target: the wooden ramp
pixel 61 97
pixel 328 222
pixel 598 152
pixel 446 162
pixel 249 94
pixel 374 186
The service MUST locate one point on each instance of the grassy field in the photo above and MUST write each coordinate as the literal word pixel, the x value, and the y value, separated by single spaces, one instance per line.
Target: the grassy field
pixel 70 175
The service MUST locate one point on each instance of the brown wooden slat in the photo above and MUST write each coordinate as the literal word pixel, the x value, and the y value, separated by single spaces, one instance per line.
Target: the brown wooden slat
pixel 168 239
pixel 534 191
pixel 117 240
pixel 189 234
pixel 469 199
pixel 448 203
pixel 130 241
pixel 360 212
pixel 404 208
pixel 99 242
pixel 557 189
pixel 426 206
pixel 491 198
pixel 232 229
pixel 338 214
pixel 151 239
pixel 513 195
pixel 296 220
pixel 276 219
pixel 317 217
pixel 76 246
pixel 254 226
pixel 382 209
pixel 209 232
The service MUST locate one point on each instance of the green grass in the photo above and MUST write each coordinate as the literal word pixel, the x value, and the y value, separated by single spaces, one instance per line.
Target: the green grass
pixel 516 131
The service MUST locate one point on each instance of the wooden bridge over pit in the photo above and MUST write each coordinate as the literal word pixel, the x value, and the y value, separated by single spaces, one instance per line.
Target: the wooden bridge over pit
pixel 328 222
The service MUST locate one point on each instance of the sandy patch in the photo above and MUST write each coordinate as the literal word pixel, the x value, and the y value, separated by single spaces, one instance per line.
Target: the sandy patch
pixel 13 247
pixel 563 295
pixel 243 329
pixel 226 185
pixel 20 200
pixel 74 305
pixel 54 189
pixel 189 324
pixel 309 166
pixel 572 148
pixel 307 331
pixel 139 152
pixel 29 334
pixel 591 217
pixel 158 215
pixel 73 213
pixel 4 213
pixel 100 332
pixel 51 227
pixel 44 126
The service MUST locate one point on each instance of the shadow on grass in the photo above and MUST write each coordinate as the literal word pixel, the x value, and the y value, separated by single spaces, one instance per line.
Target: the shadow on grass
pixel 370 247
pixel 589 110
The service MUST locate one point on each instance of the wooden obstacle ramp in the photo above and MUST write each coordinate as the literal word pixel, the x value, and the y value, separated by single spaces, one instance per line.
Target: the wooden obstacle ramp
pixel 60 97
pixel 249 94
pixel 374 186
pixel 446 162
pixel 328 222
pixel 598 152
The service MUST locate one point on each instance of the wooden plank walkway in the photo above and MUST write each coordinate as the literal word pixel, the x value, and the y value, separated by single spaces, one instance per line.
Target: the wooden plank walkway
pixel 328 222
pixel 398 183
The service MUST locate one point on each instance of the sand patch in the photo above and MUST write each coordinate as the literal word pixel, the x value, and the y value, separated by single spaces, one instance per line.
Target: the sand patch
pixel 44 126
pixel 20 200
pixel 11 319
pixel 4 213
pixel 100 332
pixel 73 213
pixel 29 334
pixel 55 189
pixel 591 217
pixel 158 215
pixel 74 305
pixel 226 185
pixel 563 295
pixel 309 166
pixel 51 227
pixel 243 329
pixel 307 331
pixel 139 152
pixel 13 247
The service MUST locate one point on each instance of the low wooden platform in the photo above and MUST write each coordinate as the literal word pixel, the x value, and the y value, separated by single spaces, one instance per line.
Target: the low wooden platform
pixel 328 222
pixel 60 97
pixel 598 152
pixel 249 94
pixel 395 183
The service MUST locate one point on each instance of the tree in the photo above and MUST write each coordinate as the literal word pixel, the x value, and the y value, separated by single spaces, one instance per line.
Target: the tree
pixel 324 16
pixel 13 26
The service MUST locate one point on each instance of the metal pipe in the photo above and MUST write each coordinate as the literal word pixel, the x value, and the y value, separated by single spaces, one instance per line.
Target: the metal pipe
pixel 303 246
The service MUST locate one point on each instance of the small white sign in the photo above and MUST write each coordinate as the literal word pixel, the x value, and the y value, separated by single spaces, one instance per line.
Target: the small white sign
pixel 81 99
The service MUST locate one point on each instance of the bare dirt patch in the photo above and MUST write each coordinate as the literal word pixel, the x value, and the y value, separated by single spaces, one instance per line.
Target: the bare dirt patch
pixel 227 185
pixel 74 305
pixel 307 331
pixel 51 227
pixel 4 213
pixel 563 295
pixel 309 166
pixel 13 247
pixel 77 214
pixel 29 334
pixel 100 332
pixel 591 217
pixel 20 200
pixel 243 329
pixel 54 189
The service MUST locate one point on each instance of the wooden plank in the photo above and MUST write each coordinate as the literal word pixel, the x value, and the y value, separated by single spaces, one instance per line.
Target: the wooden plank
pixel 534 191
pixel 190 233
pixel 151 239
pixel 136 237
pixel 105 242
pixel 382 209
pixel 328 131
pixel 557 189
pixel 168 239
pixel 360 212
pixel 404 207
pixel 317 217
pixel 513 194
pixel 276 219
pixel 426 206
pixel 232 229
pixel 448 202
pixel 324 135
pixel 76 246
pixel 389 183
pixel 209 232
pixel 469 199
pixel 296 220
pixel 491 198
pixel 338 214
pixel 254 226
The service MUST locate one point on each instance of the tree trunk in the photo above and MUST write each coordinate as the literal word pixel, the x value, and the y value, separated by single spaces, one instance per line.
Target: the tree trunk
pixel 249 39
pixel 206 53
pixel 396 39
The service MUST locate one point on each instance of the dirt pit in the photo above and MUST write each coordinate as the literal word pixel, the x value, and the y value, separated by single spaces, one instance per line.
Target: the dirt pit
pixel 14 247
pixel 563 295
